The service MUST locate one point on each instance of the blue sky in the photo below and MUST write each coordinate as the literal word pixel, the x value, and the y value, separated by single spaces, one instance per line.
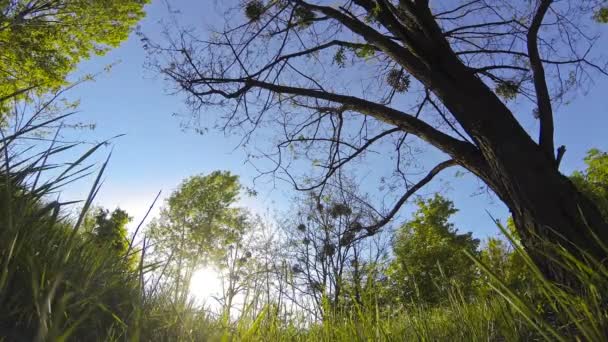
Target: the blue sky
pixel 156 153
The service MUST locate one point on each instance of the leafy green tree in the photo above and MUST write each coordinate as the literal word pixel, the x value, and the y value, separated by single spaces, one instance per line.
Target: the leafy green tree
pixel 593 182
pixel 111 229
pixel 42 41
pixel 429 258
pixel 196 224
pixel 108 230
pixel 506 264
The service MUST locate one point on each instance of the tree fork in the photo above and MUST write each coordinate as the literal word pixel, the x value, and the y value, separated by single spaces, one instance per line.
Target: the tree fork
pixel 543 202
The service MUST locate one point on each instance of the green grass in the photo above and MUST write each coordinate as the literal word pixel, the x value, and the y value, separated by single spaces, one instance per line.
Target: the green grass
pixel 57 285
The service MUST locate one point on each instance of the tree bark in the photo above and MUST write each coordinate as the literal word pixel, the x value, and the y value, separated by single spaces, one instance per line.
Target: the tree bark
pixel 545 205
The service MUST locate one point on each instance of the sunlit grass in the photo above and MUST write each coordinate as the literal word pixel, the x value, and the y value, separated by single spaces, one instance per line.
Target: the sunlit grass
pixel 55 285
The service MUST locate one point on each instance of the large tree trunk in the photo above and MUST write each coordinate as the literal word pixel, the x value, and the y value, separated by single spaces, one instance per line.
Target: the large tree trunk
pixel 545 204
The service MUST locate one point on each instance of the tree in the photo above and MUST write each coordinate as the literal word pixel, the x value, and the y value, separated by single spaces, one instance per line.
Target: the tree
pixel 112 230
pixel 42 41
pixel 429 258
pixel 507 265
pixel 109 233
pixel 342 78
pixel 240 265
pixel 593 182
pixel 197 224
pixel 327 253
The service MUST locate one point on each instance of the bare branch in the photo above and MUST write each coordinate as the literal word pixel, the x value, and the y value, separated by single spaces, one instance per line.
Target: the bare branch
pixel 407 122
pixel 371 230
pixel 545 111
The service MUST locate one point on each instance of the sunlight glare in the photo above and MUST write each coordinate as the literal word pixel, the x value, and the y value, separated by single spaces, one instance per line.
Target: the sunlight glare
pixel 205 284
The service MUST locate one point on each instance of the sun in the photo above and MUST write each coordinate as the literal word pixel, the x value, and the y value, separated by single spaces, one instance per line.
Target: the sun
pixel 204 285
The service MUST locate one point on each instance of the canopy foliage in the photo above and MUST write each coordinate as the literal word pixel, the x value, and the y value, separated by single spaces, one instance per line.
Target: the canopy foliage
pixel 42 41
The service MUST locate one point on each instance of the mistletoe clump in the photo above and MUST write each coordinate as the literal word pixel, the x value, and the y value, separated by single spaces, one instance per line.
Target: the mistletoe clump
pixel 398 80
pixel 508 90
pixel 601 16
pixel 254 10
pixel 339 209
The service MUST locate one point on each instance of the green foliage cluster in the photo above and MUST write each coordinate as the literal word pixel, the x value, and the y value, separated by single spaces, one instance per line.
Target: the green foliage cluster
pixel 340 57
pixel 365 52
pixel 601 15
pixel 593 182
pixel 199 218
pixel 41 42
pixel 254 10
pixel 112 230
pixel 498 256
pixel 304 16
pixel 428 255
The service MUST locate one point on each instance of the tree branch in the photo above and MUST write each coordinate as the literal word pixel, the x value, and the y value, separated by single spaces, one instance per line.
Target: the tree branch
pixel 373 229
pixel 543 98
pixel 462 151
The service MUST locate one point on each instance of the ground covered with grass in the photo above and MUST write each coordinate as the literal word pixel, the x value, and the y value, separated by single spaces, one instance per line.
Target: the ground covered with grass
pixel 71 275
